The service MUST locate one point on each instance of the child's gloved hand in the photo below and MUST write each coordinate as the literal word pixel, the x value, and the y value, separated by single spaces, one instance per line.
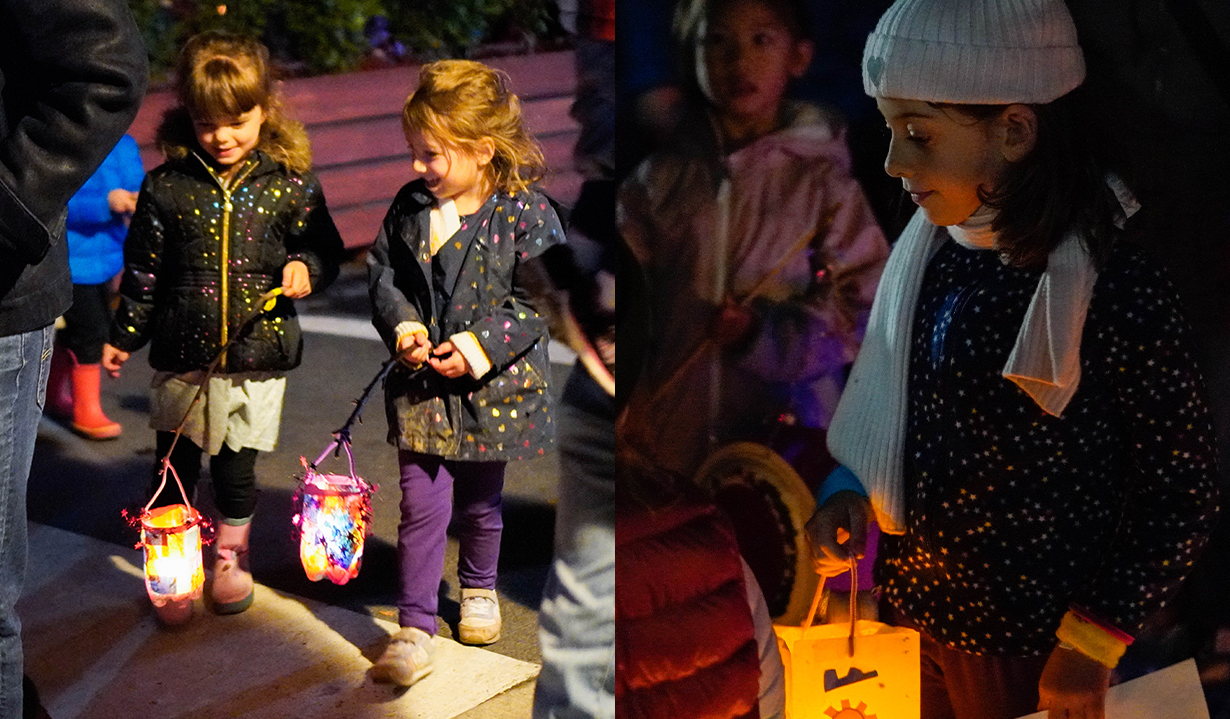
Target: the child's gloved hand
pixel 838 531
pixel 448 360
pixel 296 280
pixel 419 347
pixel 112 359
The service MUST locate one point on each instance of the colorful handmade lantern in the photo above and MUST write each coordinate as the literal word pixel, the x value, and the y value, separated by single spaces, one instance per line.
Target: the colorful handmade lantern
pixel 172 536
pixel 334 512
pixel 172 540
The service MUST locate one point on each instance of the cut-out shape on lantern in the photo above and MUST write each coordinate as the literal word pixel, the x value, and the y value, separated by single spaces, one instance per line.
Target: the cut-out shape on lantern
pixel 849 712
pixel 333 515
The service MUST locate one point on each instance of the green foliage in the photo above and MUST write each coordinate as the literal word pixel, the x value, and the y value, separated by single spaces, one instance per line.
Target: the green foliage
pixel 435 29
pixel 324 36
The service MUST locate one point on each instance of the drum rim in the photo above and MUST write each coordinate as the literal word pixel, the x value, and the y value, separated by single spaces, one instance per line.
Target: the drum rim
pixel 800 505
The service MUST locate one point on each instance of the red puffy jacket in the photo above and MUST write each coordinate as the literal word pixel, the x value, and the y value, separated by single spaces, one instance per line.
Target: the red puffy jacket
pixel 684 643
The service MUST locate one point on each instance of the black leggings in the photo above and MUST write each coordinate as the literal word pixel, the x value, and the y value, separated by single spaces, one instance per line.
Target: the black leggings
pixel 87 322
pixel 233 473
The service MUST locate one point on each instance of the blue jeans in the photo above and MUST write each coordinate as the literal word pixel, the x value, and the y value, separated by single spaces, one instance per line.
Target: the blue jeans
pixel 24 361
pixel 577 618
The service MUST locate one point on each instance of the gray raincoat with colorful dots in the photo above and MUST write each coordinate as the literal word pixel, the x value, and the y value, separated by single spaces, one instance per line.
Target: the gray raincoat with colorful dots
pixel 477 282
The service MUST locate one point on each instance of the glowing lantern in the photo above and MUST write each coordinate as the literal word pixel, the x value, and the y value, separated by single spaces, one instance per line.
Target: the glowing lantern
pixel 171 536
pixel 860 670
pixel 334 512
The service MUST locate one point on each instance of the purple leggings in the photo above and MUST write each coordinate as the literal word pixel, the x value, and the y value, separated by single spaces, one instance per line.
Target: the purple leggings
pixel 431 489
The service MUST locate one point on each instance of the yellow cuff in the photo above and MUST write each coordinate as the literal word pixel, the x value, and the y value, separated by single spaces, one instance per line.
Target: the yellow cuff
pixel 467 344
pixel 1091 640
pixel 407 328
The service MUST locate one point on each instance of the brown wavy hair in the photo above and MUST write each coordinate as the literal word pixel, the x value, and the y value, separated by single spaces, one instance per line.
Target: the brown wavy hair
pixel 222 75
pixel 459 103
pixel 1059 186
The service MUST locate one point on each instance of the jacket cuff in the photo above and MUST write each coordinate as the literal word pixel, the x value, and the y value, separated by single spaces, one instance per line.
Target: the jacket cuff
pixel 839 479
pixel 467 344
pixel 407 328
pixel 1103 644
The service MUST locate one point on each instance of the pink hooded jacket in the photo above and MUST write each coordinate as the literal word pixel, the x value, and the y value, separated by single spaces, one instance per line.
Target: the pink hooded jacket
pixel 701 225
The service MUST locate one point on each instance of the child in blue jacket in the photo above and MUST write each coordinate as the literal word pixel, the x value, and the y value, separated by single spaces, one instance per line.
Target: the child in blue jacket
pixel 97 226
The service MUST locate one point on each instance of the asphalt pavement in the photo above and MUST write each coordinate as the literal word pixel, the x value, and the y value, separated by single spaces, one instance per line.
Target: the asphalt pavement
pixel 83 486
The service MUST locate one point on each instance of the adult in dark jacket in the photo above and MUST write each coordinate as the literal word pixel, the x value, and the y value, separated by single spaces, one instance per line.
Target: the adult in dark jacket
pixel 72 74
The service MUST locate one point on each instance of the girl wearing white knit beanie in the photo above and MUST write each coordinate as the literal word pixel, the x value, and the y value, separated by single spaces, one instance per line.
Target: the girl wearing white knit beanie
pixel 1024 419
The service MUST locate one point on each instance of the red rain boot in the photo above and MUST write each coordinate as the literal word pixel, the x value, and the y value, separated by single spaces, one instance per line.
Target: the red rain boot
pixel 59 384
pixel 88 418
pixel 231 590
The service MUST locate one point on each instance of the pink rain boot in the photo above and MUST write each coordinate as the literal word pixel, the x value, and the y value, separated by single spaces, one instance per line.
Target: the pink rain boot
pixel 231 589
pixel 59 384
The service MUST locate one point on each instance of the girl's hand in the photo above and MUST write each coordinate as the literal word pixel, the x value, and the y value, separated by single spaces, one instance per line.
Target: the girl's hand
pixel 419 347
pixel 113 359
pixel 121 201
pixel 1073 686
pixel 448 360
pixel 838 531
pixel 296 280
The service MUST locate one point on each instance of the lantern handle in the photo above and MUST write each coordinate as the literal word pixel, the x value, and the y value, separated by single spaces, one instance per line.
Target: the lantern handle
pixel 339 440
pixel 815 602
pixel 344 431
pixel 166 465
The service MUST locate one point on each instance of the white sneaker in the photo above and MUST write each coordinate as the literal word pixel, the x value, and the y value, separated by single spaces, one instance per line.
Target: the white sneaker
pixel 480 617
pixel 407 658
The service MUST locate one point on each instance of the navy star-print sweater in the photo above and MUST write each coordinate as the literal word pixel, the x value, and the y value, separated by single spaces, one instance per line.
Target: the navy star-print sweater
pixel 1015 515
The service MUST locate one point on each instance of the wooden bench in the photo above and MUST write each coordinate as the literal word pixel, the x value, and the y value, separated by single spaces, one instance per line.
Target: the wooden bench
pixel 359 152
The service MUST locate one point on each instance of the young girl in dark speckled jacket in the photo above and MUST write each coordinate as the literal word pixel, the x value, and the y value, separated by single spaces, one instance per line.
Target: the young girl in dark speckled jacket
pixel 1024 418
pixel 449 276
pixel 233 213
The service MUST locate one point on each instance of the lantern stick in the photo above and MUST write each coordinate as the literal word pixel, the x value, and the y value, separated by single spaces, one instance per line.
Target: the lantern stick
pixel 853 600
pixel 341 436
pixel 264 303
pixel 815 601
pixel 706 344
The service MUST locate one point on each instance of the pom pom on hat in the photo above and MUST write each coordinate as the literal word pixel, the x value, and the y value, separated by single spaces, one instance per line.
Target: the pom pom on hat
pixel 989 52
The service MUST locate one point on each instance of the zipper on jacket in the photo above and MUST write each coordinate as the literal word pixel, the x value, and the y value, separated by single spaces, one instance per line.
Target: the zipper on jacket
pixel 225 259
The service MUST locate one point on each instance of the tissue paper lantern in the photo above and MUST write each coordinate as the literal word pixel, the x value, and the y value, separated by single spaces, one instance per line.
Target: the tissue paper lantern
pixel 334 511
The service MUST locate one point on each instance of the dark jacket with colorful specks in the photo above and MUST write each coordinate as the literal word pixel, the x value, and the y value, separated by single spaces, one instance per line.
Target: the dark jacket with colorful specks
pixel 505 414
pixel 173 288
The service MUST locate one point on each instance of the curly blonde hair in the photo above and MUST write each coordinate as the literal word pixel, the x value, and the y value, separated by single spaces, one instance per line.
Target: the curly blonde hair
pixel 222 75
pixel 460 103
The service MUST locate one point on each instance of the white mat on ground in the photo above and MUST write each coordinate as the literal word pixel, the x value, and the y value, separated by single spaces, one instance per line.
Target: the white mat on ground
pixel 95 649
pixel 1170 693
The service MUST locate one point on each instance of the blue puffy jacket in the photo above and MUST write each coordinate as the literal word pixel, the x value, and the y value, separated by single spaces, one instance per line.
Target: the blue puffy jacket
pixel 95 233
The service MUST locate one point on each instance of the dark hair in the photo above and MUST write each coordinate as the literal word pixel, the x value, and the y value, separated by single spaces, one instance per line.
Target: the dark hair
pixel 689 22
pixel 1059 186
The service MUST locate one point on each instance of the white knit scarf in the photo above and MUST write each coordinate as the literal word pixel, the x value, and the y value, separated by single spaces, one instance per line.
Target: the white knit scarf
pixel 867 433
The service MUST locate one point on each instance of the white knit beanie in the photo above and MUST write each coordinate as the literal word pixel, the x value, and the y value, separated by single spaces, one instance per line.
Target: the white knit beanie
pixel 992 52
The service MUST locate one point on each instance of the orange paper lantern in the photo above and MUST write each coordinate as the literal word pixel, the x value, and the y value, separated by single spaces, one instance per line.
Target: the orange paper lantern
pixel 863 670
